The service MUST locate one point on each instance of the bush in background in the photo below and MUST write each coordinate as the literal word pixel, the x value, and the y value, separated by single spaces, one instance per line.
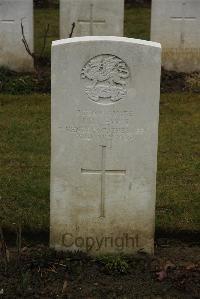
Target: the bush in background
pixel 46 3
pixel 55 3
pixel 139 2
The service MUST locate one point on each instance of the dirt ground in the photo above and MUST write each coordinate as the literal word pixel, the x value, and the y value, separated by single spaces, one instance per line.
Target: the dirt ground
pixel 38 272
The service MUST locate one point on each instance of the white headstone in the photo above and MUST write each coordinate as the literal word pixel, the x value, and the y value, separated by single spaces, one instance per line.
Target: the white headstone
pixel 176 25
pixel 12 51
pixel 105 110
pixel 91 17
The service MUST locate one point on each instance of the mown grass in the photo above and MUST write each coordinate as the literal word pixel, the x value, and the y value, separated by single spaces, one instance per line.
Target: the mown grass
pixel 43 17
pixel 178 188
pixel 25 159
pixel 25 162
pixel 137 22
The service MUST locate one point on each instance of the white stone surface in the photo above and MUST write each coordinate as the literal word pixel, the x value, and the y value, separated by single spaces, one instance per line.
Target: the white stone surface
pixel 176 25
pixel 105 110
pixel 12 51
pixel 92 17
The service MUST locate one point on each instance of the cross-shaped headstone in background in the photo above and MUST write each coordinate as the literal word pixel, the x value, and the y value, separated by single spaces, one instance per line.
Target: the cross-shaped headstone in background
pixel 183 20
pixel 91 21
pixel 91 17
pixel 103 172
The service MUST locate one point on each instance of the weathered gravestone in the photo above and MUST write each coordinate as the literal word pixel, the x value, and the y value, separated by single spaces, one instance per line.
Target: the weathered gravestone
pixel 91 17
pixel 176 25
pixel 105 109
pixel 13 54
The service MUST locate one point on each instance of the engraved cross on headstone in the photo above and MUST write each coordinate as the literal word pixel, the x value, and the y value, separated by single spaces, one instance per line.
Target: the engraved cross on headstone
pixel 103 172
pixel 183 19
pixel 91 21
pixel 7 21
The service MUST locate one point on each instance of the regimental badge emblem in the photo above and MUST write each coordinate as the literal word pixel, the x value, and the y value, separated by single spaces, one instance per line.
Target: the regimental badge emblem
pixel 106 78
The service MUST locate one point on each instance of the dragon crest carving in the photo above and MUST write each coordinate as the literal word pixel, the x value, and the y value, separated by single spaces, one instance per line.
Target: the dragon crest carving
pixel 106 79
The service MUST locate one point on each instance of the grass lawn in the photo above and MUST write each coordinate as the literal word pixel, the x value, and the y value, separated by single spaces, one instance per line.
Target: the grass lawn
pixel 42 19
pixel 25 147
pixel 25 161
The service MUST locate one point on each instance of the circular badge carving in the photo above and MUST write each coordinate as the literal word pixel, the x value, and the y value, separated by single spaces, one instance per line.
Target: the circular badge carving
pixel 105 79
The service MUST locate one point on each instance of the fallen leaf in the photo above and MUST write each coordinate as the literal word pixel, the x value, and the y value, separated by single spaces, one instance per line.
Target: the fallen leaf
pixel 7 255
pixel 190 266
pixel 24 249
pixel 161 275
pixel 65 287
pixel 168 265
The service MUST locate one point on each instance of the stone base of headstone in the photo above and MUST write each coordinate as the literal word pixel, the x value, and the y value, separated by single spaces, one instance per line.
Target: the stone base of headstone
pixel 181 60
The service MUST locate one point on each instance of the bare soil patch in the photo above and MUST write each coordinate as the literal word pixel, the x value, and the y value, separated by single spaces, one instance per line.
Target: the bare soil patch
pixel 39 272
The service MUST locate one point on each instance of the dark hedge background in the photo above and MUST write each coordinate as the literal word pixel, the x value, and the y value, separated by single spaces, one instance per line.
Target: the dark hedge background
pixel 53 3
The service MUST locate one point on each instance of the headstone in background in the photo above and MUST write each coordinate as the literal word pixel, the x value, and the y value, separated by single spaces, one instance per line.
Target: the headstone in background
pixel 12 51
pixel 105 110
pixel 92 17
pixel 176 25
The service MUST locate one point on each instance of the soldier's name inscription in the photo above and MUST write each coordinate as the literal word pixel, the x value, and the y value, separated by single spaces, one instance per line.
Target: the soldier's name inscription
pixel 104 124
